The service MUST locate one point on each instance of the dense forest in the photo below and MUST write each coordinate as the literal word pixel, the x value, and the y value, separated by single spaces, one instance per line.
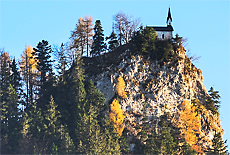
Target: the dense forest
pixel 49 106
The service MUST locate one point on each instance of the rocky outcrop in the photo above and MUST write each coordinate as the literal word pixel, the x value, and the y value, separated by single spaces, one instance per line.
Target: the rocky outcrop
pixel 161 88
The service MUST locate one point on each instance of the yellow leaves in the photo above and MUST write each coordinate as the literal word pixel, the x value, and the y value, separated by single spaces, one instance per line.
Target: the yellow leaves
pixel 121 88
pixel 116 116
pixel 190 125
pixel 28 60
pixel 5 57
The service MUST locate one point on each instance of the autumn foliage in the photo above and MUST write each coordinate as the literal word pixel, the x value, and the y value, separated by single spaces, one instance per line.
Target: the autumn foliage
pixel 116 116
pixel 190 125
pixel 121 88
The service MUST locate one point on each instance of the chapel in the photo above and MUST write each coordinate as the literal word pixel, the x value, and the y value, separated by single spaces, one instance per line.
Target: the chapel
pixel 164 32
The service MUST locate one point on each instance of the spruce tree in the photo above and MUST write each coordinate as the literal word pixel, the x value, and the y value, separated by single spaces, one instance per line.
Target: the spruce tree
pixel 98 45
pixel 213 101
pixel 111 138
pixel 9 100
pixel 113 42
pixel 58 140
pixel 42 52
pixel 218 144
pixel 10 125
pixel 149 38
pixel 73 98
pixel 4 75
pixel 166 139
pixel 34 131
pixel 15 76
pixel 43 55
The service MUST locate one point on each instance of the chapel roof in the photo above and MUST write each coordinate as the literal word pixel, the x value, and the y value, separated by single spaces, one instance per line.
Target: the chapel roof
pixel 162 28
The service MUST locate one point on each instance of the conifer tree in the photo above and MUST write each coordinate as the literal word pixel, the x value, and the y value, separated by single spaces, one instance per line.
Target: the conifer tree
pixel 148 42
pixel 58 140
pixel 15 76
pixel 9 100
pixel 166 139
pixel 73 98
pixel 111 137
pixel 124 142
pixel 10 125
pixel 218 144
pixel 4 75
pixel 43 55
pixel 163 142
pixel 34 131
pixel 213 101
pixel 113 42
pixel 98 45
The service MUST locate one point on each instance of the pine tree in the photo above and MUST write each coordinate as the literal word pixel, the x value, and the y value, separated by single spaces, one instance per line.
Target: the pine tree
pixel 58 141
pixel 15 76
pixel 43 55
pixel 9 100
pixel 98 45
pixel 111 138
pixel 163 142
pixel 42 52
pixel 113 42
pixel 166 139
pixel 4 74
pixel 34 131
pixel 10 125
pixel 213 101
pixel 73 98
pixel 218 144
pixel 124 142
pixel 148 42
pixel 96 98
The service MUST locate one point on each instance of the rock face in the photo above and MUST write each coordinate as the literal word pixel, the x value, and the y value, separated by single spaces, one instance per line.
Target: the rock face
pixel 161 88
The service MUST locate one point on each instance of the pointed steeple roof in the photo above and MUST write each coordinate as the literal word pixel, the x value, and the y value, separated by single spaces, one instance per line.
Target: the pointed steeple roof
pixel 169 16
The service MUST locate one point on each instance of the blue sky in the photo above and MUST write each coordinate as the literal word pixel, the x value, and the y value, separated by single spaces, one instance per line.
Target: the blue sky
pixel 206 25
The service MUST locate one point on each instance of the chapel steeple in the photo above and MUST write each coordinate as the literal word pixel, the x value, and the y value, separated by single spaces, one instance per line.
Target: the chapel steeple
pixel 169 18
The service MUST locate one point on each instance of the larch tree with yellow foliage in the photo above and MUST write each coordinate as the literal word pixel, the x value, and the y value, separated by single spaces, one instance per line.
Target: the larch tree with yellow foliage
pixel 81 36
pixel 29 73
pixel 121 88
pixel 190 124
pixel 116 116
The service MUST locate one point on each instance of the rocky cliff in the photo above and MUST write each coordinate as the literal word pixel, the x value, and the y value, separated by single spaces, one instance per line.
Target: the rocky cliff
pixel 160 88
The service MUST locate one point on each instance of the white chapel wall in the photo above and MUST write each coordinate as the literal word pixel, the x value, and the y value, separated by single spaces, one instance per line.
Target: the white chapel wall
pixel 167 35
